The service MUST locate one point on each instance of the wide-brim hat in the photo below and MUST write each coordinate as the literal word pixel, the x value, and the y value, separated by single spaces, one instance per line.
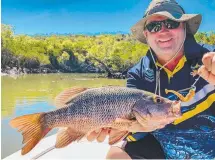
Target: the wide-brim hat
pixel 170 9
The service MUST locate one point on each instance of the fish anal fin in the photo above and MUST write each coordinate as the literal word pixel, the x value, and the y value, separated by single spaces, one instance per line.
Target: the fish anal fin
pixel 116 136
pixel 65 96
pixel 67 136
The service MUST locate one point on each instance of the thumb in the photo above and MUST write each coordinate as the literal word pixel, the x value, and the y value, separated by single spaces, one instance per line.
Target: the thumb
pixel 203 72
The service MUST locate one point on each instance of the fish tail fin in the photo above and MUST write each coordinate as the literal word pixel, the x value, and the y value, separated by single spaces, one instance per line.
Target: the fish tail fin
pixel 33 129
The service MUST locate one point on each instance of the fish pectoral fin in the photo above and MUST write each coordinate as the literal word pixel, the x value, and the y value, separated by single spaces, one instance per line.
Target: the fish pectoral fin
pixel 67 95
pixel 67 136
pixel 122 120
pixel 122 123
pixel 116 136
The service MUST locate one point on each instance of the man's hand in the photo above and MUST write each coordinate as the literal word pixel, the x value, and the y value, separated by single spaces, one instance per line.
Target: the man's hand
pixel 102 133
pixel 98 135
pixel 207 70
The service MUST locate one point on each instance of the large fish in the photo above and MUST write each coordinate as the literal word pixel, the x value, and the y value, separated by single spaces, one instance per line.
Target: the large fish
pixel 83 110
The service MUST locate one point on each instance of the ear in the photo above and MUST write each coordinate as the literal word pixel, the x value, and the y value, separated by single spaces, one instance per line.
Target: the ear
pixel 145 33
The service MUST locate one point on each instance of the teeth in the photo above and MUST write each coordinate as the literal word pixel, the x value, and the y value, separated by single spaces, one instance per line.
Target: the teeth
pixel 165 41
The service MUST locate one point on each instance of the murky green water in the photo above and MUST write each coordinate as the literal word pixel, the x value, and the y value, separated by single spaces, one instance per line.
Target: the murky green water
pixel 35 93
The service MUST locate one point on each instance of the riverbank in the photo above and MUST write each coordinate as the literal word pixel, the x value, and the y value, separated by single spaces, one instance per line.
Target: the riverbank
pixel 15 65
pixel 14 71
pixel 20 71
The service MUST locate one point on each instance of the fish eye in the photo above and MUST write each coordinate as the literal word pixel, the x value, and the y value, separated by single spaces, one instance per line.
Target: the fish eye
pixel 157 99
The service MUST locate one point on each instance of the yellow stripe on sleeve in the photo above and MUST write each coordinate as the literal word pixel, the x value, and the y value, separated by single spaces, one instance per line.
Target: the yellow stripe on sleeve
pixel 131 138
pixel 199 108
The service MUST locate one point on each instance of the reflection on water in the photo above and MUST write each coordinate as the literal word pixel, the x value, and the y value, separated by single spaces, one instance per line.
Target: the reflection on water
pixel 35 93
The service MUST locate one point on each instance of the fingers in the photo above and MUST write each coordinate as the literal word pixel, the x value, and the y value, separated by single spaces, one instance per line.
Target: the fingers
pixel 104 132
pixel 203 72
pixel 98 135
pixel 208 76
pixel 211 78
pixel 213 65
pixel 207 61
pixel 93 135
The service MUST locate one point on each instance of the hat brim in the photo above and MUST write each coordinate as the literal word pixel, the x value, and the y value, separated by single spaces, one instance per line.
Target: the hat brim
pixel 193 22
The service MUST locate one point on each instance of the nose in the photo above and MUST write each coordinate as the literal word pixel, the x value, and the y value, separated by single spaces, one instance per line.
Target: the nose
pixel 163 28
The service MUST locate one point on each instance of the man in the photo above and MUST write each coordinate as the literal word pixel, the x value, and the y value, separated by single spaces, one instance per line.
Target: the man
pixel 171 63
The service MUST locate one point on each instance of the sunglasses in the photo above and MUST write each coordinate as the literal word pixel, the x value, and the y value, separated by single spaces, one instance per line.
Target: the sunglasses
pixel 156 26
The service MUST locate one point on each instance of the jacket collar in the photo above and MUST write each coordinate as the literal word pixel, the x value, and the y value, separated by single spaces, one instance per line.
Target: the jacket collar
pixel 191 48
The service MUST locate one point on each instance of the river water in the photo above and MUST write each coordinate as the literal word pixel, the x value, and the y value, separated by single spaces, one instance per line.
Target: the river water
pixel 35 93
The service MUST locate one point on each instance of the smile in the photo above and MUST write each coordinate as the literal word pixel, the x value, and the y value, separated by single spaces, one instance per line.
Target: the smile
pixel 163 41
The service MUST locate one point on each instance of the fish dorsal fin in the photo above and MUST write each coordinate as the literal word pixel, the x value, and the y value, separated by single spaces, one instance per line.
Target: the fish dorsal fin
pixel 116 136
pixel 67 95
pixel 67 136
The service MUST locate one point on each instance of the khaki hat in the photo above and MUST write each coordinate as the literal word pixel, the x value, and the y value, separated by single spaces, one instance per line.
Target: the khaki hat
pixel 170 9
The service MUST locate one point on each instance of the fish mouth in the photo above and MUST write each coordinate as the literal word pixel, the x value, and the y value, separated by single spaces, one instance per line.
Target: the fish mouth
pixel 176 108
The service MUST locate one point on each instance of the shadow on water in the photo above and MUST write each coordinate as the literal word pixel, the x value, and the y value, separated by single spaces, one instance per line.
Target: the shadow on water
pixel 35 93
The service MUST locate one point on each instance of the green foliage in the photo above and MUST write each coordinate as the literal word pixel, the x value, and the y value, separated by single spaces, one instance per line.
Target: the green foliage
pixel 206 38
pixel 22 46
pixel 63 57
pixel 118 52
pixel 6 35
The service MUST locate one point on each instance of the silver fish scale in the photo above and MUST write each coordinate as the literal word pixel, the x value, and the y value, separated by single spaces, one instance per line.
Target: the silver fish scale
pixel 95 108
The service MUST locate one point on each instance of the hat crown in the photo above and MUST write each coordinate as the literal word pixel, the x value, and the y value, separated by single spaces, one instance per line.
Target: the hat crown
pixel 164 5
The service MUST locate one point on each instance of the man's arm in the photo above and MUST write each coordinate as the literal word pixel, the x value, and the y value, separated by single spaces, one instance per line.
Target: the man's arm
pixel 133 79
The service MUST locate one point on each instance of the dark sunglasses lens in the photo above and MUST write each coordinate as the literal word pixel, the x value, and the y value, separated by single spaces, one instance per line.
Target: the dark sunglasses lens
pixel 170 24
pixel 154 26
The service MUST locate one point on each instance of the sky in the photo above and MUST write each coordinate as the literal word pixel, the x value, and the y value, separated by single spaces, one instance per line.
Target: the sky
pixel 89 16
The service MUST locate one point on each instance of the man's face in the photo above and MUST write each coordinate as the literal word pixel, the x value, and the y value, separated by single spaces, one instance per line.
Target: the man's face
pixel 165 42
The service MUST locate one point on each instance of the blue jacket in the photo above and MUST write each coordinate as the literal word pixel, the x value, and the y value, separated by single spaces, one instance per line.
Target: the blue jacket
pixel 192 135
